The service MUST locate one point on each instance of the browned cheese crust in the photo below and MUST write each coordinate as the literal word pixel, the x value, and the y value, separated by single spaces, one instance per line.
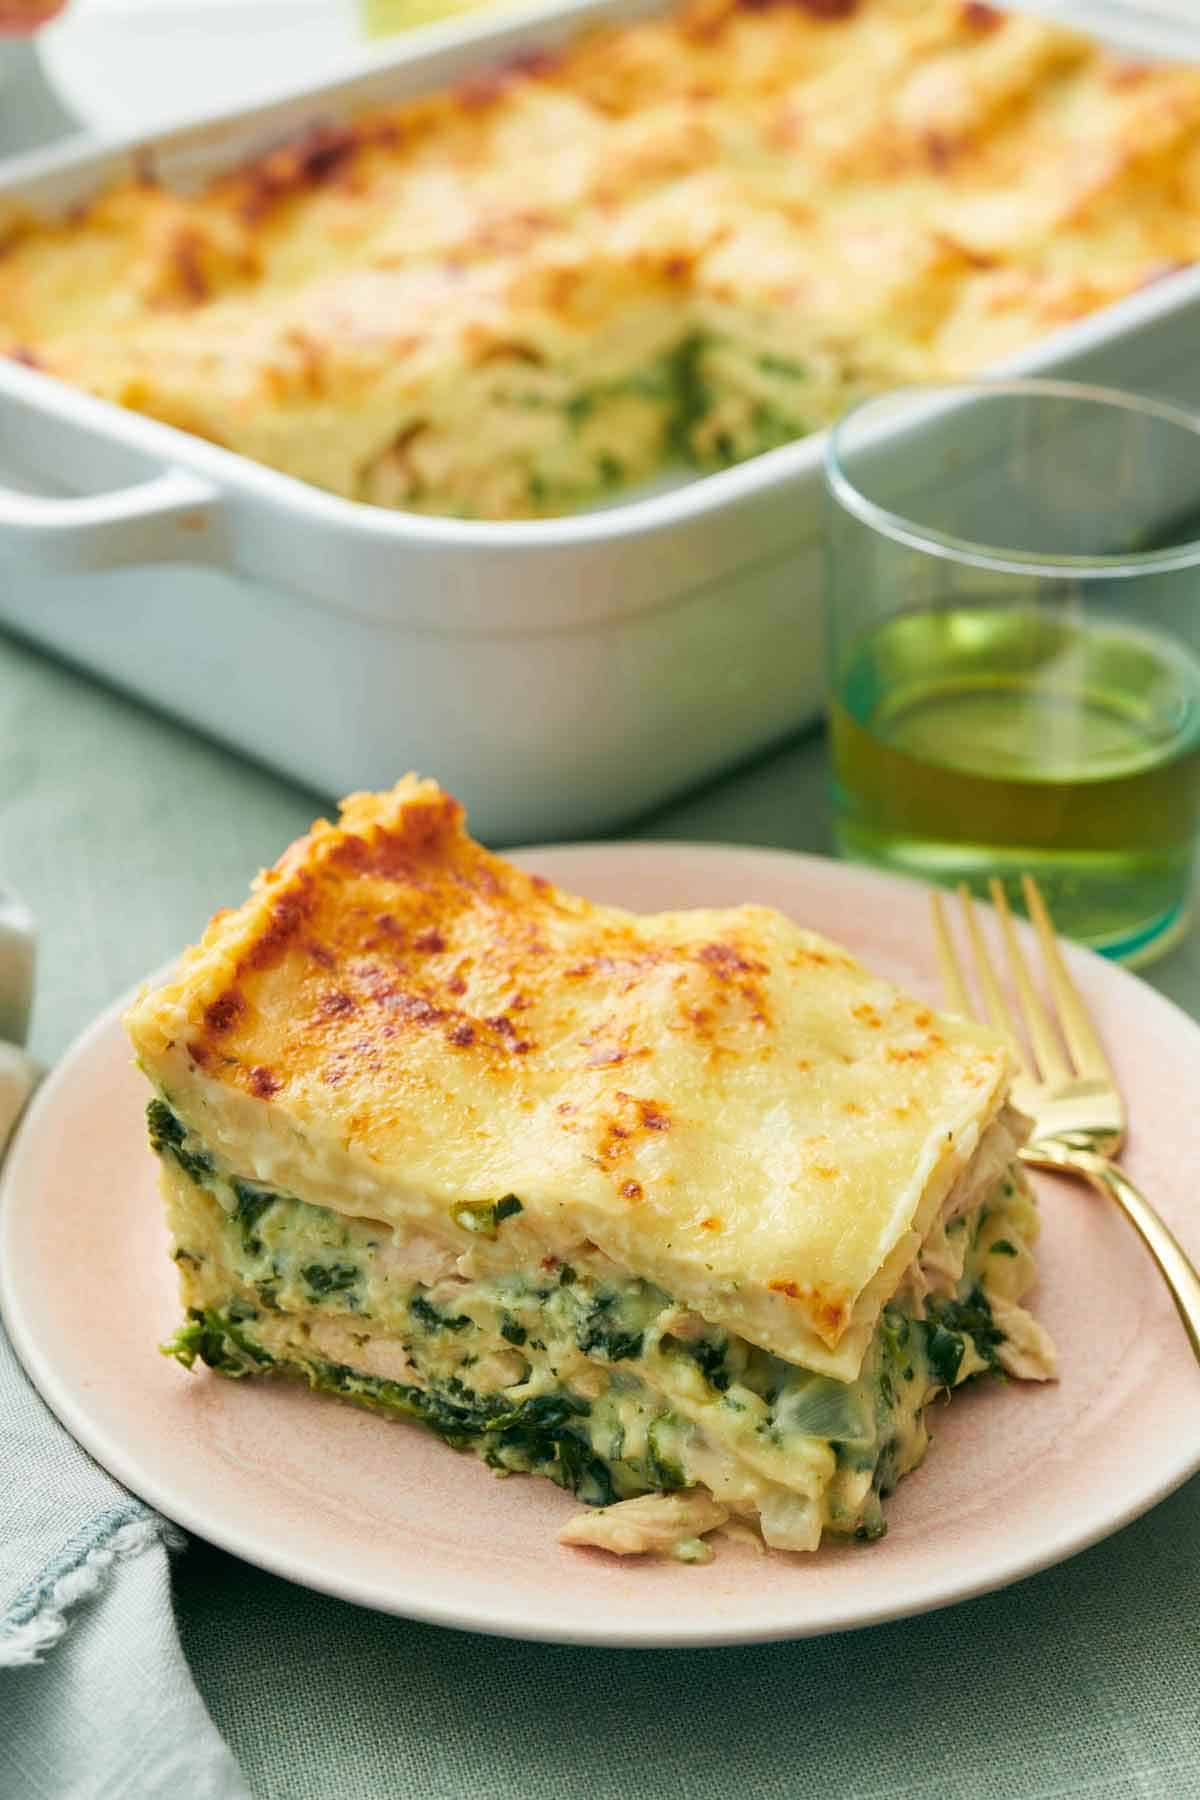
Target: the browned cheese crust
pixel 398 1021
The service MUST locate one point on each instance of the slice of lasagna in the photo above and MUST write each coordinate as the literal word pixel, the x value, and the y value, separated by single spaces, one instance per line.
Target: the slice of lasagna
pixel 688 1212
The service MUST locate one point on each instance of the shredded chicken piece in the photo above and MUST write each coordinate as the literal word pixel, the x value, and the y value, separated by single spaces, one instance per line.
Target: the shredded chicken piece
pixel 938 1264
pixel 653 1523
pixel 1026 1350
pixel 683 1323
pixel 941 1260
pixel 589 1381
pixel 378 1356
pixel 498 1370
pixel 415 1256
pixel 996 1152
pixel 739 1531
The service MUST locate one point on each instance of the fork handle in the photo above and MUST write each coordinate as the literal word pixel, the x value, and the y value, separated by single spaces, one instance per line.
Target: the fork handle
pixel 1176 1267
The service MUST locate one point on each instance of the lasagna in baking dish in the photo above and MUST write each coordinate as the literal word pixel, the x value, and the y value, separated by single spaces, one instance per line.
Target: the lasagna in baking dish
pixel 688 1212
pixel 681 241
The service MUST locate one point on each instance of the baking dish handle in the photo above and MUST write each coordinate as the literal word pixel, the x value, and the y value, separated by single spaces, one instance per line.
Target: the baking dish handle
pixel 171 517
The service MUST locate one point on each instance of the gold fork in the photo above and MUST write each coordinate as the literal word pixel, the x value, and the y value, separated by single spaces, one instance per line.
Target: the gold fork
pixel 1072 1098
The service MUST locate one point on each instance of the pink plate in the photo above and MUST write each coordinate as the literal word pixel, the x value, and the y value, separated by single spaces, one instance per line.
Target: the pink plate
pixel 380 1513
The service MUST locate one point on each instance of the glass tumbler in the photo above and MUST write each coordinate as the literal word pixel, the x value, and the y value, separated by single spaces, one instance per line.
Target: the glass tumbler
pixel 1014 623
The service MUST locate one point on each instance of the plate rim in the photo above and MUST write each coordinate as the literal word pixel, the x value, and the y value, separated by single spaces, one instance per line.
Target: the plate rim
pixel 488 1616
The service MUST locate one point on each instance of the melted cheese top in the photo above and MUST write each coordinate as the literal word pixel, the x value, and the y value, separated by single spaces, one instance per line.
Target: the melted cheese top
pixel 899 189
pixel 397 1022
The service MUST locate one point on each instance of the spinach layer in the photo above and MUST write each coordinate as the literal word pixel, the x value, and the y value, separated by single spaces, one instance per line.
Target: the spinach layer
pixel 584 1446
pixel 687 388
pixel 546 1434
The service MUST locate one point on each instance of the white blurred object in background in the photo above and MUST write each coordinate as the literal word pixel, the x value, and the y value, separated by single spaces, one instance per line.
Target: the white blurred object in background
pixel 138 65
pixel 124 65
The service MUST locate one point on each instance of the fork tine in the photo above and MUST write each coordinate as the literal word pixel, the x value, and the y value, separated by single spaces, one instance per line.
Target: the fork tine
pixel 953 985
pixel 999 1013
pixel 1049 1057
pixel 1073 1017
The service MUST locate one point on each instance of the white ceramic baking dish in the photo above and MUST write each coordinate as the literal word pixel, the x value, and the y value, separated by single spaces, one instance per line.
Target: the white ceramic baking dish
pixel 559 675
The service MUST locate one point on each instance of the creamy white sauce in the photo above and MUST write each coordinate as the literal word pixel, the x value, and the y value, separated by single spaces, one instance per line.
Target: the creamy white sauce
pixel 665 1400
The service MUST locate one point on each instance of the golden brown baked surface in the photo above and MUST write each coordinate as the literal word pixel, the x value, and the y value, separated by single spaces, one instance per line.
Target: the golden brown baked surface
pixel 689 238
pixel 397 1024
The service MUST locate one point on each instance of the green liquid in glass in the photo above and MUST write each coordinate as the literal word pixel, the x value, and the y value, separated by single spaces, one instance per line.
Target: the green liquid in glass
pixel 989 740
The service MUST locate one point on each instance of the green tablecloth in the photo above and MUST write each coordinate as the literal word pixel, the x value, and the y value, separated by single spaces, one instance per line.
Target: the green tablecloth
pixel 124 832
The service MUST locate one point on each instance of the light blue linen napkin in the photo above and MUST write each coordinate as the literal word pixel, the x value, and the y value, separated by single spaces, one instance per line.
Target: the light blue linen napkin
pixel 96 1699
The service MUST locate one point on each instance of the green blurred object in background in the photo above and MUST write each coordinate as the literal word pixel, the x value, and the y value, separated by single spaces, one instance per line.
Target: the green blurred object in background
pixel 1014 588
pixel 381 18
